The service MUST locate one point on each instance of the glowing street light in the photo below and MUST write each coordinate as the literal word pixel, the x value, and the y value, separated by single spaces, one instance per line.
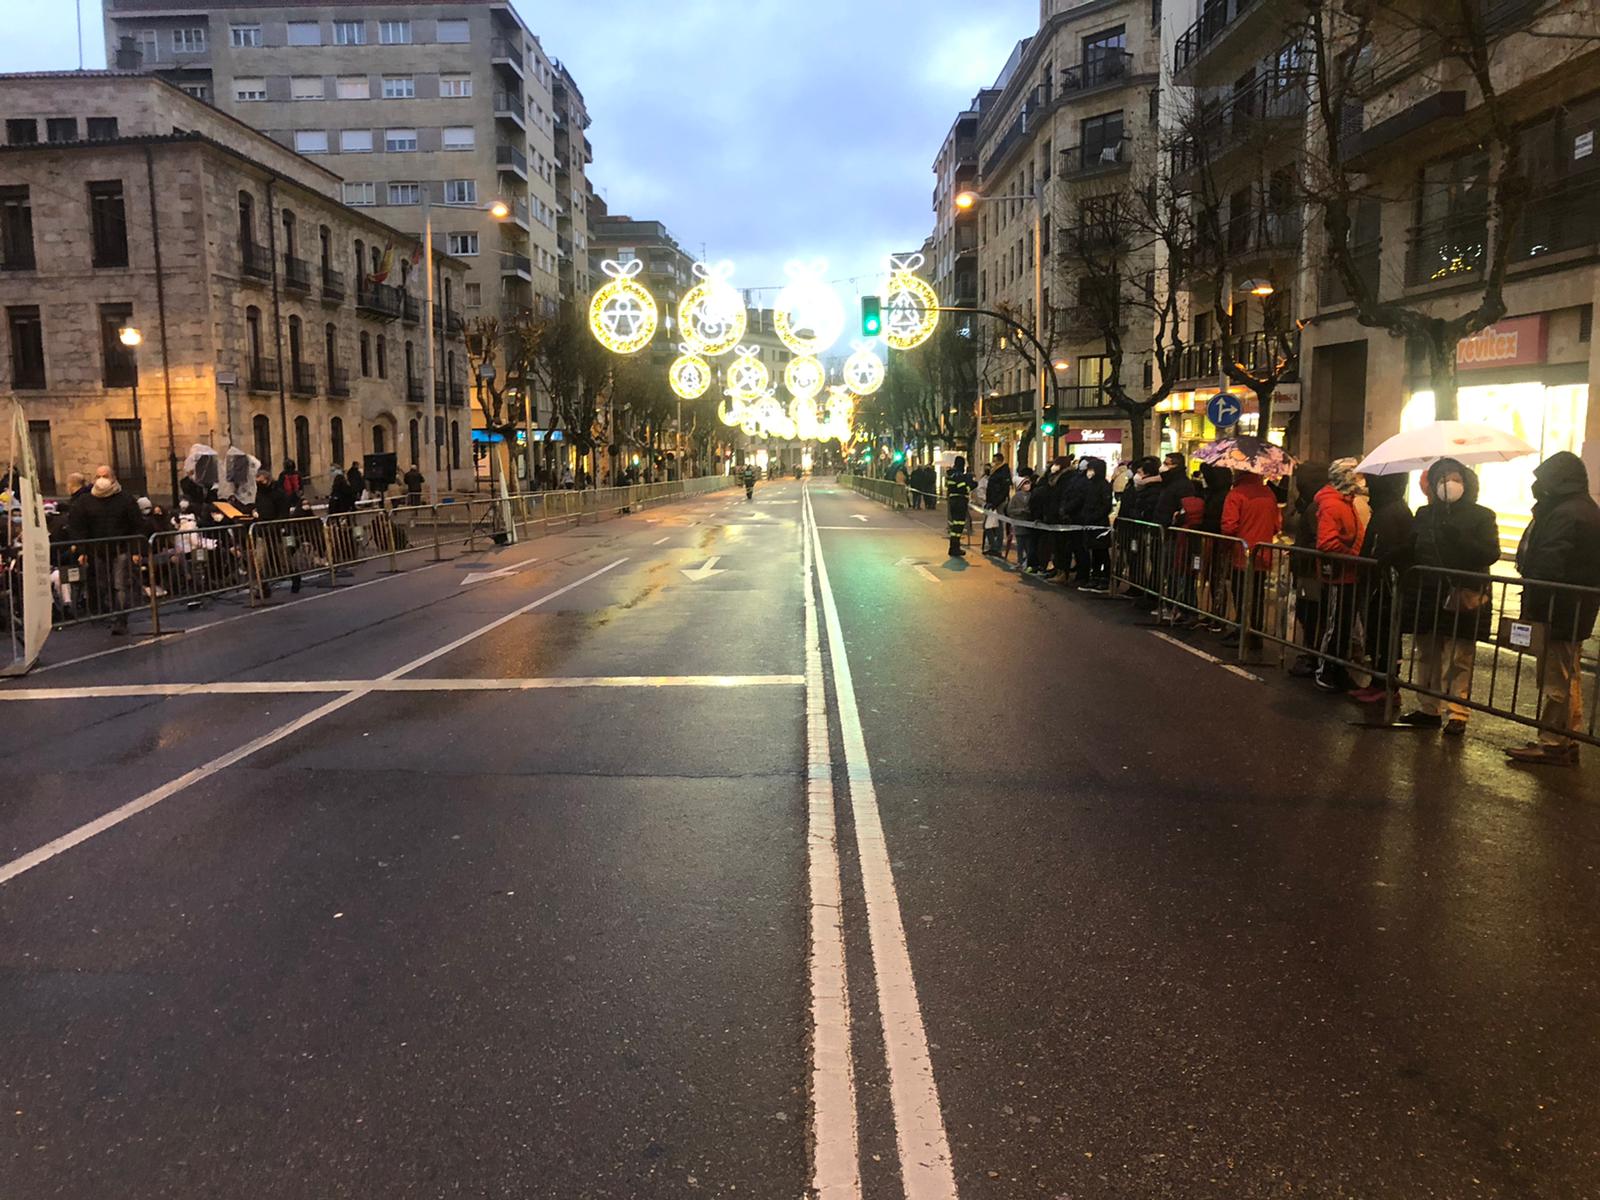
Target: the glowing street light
pixel 965 200
pixel 129 336
pixel 1258 287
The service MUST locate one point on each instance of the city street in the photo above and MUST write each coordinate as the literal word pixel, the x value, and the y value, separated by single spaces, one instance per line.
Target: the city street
pixel 742 849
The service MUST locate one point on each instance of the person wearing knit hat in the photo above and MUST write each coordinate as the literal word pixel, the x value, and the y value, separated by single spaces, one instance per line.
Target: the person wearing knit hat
pixel 1339 532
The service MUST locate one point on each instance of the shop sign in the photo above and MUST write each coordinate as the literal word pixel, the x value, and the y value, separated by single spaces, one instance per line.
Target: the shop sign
pixel 1517 342
pixel 1087 436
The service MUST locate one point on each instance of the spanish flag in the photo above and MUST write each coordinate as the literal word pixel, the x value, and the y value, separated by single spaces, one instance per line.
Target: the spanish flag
pixel 385 265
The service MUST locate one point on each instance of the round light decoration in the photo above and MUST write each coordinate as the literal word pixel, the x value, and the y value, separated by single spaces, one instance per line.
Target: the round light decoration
pixel 712 315
pixel 622 315
pixel 863 371
pixel 748 377
pixel 690 375
pixel 804 377
pixel 910 307
pixel 808 317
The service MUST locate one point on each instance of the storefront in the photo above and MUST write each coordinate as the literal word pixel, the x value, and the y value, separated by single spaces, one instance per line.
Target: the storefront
pixel 1185 427
pixel 1106 444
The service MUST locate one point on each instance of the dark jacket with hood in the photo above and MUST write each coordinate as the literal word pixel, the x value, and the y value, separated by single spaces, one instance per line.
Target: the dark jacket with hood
pixel 1096 508
pixel 1309 479
pixel 1562 545
pixel 1449 537
pixel 341 495
pixel 272 502
pixel 1387 537
pixel 1045 501
pixel 1070 497
pixel 1218 481
pixel 1139 500
pixel 1176 487
pixel 998 490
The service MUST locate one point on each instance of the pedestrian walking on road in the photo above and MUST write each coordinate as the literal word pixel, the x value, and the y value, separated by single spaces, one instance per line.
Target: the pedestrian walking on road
pixel 1561 545
pixel 358 483
pixel 1339 532
pixel 957 487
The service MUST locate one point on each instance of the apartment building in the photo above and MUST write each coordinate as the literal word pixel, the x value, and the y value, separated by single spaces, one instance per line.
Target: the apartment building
pixel 126 204
pixel 573 154
pixel 1072 119
pixel 952 260
pixel 668 270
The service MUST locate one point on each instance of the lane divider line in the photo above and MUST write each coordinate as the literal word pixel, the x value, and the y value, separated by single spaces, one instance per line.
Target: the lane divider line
pixel 1233 668
pixel 926 1171
pixel 291 687
pixel 188 779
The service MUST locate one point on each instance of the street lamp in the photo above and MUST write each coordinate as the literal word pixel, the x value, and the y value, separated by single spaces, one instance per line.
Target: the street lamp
pixel 132 339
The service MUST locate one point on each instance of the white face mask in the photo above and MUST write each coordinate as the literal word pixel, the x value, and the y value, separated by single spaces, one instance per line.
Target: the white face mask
pixel 1451 491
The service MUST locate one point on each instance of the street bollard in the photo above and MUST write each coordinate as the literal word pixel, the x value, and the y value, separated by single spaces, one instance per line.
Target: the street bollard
pixel 437 550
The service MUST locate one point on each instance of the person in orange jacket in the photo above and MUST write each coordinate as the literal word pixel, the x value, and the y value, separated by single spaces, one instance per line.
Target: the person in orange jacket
pixel 1339 532
pixel 1252 515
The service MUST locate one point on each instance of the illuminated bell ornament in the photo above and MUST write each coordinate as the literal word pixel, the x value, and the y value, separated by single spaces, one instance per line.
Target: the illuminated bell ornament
pixel 622 315
pixel 910 307
pixel 807 317
pixel 731 412
pixel 712 315
pixel 690 375
pixel 748 377
pixel 863 371
pixel 804 377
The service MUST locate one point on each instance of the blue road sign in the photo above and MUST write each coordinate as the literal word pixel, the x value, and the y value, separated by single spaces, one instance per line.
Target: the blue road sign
pixel 1224 410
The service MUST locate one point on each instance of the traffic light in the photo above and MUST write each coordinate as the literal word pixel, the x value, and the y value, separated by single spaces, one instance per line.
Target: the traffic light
pixel 899 456
pixel 871 316
pixel 1047 427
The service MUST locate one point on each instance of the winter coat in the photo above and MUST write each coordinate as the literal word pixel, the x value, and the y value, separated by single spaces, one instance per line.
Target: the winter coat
pixel 1338 532
pixel 1387 535
pixel 1449 537
pixel 1070 496
pixel 998 489
pixel 341 496
pixel 414 482
pixel 1250 513
pixel 1139 501
pixel 113 516
pixel 1020 504
pixel 1562 545
pixel 1309 479
pixel 1219 484
pixel 272 504
pixel 1046 499
pixel 1176 487
pixel 1097 498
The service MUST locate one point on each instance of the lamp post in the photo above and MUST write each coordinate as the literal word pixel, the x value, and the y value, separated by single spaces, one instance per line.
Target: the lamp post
pixel 497 479
pixel 130 337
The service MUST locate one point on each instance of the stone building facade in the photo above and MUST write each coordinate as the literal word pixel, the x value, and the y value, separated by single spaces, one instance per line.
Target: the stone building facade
pixel 126 203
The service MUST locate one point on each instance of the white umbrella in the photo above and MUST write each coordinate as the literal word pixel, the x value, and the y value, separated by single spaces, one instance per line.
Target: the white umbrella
pixel 1463 441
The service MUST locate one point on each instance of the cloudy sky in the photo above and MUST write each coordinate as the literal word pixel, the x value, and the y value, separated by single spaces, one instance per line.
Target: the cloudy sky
pixel 764 131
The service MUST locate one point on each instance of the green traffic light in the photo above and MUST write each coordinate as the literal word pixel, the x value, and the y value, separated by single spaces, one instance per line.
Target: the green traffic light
pixel 899 455
pixel 871 316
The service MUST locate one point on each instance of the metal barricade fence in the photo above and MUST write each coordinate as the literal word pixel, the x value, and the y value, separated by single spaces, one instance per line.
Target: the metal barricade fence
pixel 1136 557
pixel 194 564
pixel 100 578
pixel 1336 611
pixel 895 495
pixel 289 549
pixel 1205 575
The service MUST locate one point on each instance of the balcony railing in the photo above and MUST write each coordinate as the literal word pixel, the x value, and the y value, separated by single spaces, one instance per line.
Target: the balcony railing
pixel 338 381
pixel 1095 157
pixel 513 264
pixel 511 104
pixel 296 274
pixel 1084 395
pixel 411 308
pixel 453 322
pixel 302 379
pixel 1102 71
pixel 414 391
pixel 1269 233
pixel 1216 18
pixel 332 285
pixel 1451 248
pixel 378 299
pixel 1367 257
pixel 458 393
pixel 501 48
pixel 1561 216
pixel 254 262
pixel 263 375
pixel 1258 352
pixel 511 157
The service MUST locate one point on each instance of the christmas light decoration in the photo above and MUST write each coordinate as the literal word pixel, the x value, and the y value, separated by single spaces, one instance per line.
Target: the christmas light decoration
pixel 748 377
pixel 690 375
pixel 712 315
pixel 804 377
pixel 807 317
pixel 910 307
pixel 622 315
pixel 863 371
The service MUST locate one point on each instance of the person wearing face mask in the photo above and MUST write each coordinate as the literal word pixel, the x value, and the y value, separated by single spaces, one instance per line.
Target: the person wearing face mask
pixel 1043 509
pixel 1561 545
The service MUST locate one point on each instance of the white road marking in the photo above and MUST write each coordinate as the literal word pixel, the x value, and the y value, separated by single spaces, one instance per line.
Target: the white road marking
pixel 501 573
pixel 858 517
pixel 292 687
pixel 134 807
pixel 921 569
pixel 1210 658
pixel 704 571
pixel 925 1168
pixel 658 541
pixel 858 529
pixel 835 1138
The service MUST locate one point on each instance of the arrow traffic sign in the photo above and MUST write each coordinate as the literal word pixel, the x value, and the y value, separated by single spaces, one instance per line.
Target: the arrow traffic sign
pixel 704 571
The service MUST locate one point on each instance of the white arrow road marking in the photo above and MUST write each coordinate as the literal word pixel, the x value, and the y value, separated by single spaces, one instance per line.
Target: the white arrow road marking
pixel 922 570
pixel 480 576
pixel 857 517
pixel 705 571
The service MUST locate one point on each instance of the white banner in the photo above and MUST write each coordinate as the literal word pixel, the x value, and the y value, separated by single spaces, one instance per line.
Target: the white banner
pixel 34 561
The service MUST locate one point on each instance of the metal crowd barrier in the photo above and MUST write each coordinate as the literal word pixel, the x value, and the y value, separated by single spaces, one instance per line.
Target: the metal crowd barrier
pixel 887 491
pixel 193 564
pixel 92 580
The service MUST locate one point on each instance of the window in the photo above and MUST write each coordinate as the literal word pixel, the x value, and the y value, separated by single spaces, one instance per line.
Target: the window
pixel 383 357
pixel 353 87
pixel 261 435
pixel 307 87
pixel 21 131
pixel 460 191
pixel 108 224
pixel 1101 139
pixel 127 454
pixel 464 244
pixel 455 444
pixel 245 90
pixel 304 33
pixel 44 457
pixel 399 141
pixel 61 129
pixel 190 39
pixel 27 347
pixel 1104 55
pixel 455 87
pixel 355 141
pixel 121 368
pixel 336 440
pixel 394 33
pixel 102 128
pixel 296 347
pixel 380 440
pixel 360 195
pixel 399 87
pixel 244 36
pixel 366 354
pixel 311 141
pixel 414 431
pixel 405 193
pixel 349 33
pixel 474 295
pixel 149 45
pixel 16 229
pixel 199 91
pixel 452 31
pixel 252 325
pixel 302 445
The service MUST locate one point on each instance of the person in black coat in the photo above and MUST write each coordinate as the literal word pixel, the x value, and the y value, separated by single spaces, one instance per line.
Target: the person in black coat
pixel 1309 479
pixel 1072 556
pixel 108 532
pixel 995 494
pixel 1386 540
pixel 358 481
pixel 1094 571
pixel 1561 545
pixel 1176 487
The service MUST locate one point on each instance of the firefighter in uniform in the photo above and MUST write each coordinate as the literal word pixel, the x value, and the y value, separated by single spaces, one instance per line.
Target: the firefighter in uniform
pixel 957 487
pixel 749 477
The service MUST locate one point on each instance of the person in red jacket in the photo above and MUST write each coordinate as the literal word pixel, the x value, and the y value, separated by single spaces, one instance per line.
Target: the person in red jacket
pixel 1339 532
pixel 1252 515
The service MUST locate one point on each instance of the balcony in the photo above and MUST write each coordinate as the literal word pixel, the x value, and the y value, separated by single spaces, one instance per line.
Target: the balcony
pixel 511 160
pixel 458 393
pixel 1250 118
pixel 519 265
pixel 263 375
pixel 504 53
pixel 302 379
pixel 510 106
pixel 1367 256
pixel 338 381
pixel 410 308
pixel 378 300
pixel 520 215
pixel 1108 70
pixel 1096 158
pixel 296 274
pixel 454 323
pixel 1080 396
pixel 1562 216
pixel 441 394
pixel 332 286
pixel 1218 18
pixel 1031 118
pixel 1451 248
pixel 254 261
pixel 1258 352
pixel 1257 236
pixel 413 391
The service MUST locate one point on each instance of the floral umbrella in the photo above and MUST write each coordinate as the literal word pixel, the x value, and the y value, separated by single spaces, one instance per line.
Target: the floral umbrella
pixel 1253 454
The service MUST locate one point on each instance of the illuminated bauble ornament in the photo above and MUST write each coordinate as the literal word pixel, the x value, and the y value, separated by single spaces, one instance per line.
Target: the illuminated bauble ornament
pixel 690 375
pixel 804 376
pixel 748 377
pixel 731 412
pixel 712 315
pixel 807 316
pixel 910 306
pixel 622 315
pixel 863 371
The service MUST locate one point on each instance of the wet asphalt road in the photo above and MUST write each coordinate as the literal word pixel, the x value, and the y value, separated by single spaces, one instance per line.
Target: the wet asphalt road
pixel 1173 932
